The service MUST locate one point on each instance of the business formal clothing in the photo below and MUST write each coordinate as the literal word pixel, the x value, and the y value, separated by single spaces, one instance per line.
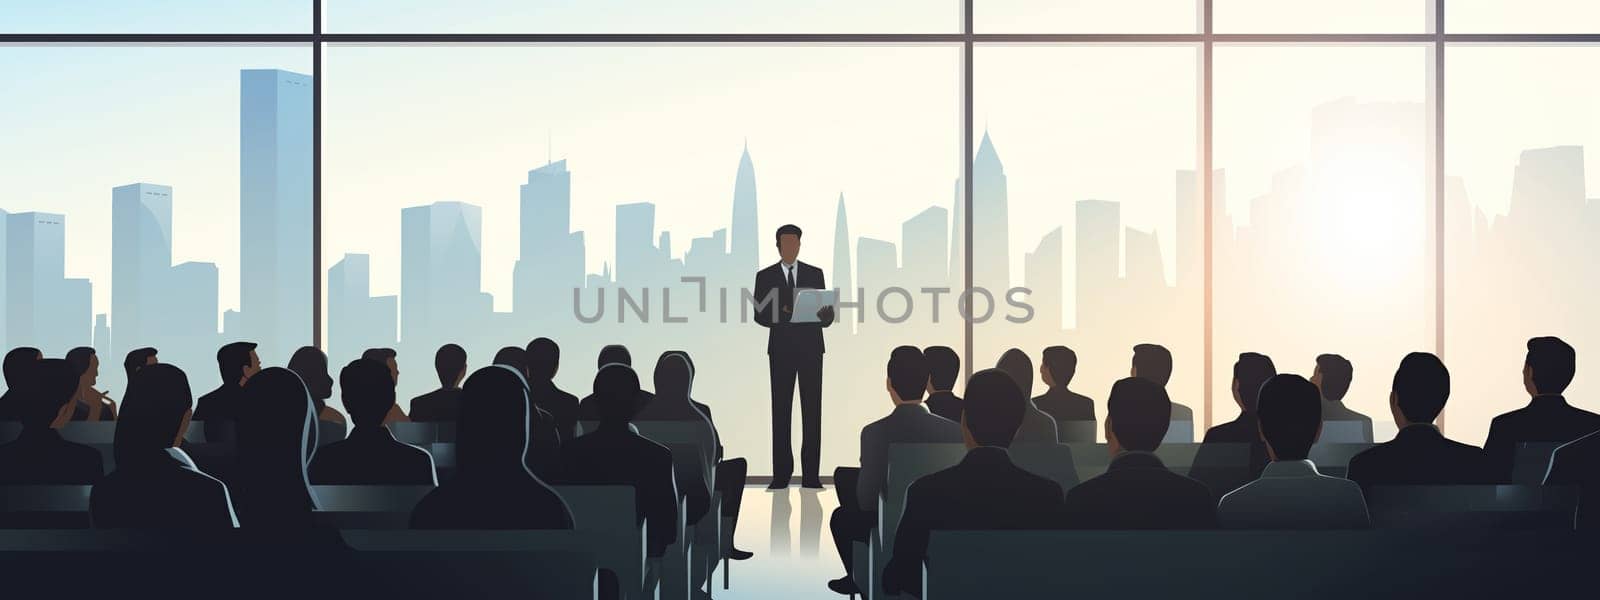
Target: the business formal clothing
pixel 557 402
pixel 1181 413
pixel 1577 463
pixel 906 424
pixel 371 456
pixel 543 455
pixel 441 405
pixel 985 491
pixel 161 490
pixel 1063 404
pixel 218 410
pixel 1037 427
pixel 1291 494
pixel 680 410
pixel 794 354
pixel 1420 455
pixel 1212 462
pixel 1137 491
pixel 40 457
pixel 1546 418
pixel 589 406
pixel 615 454
pixel 1334 410
pixel 945 404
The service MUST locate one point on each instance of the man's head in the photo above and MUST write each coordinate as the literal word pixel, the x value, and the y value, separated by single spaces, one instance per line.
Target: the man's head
pixel 1057 366
pixel 19 365
pixel 238 362
pixel 674 378
pixel 1550 366
pixel 1153 362
pixel 1332 376
pixel 1137 415
pixel 1016 363
pixel 908 375
pixel 84 361
pixel 1421 387
pixel 514 357
pixel 614 353
pixel 367 389
pixel 616 387
pixel 387 357
pixel 47 399
pixel 944 365
pixel 789 243
pixel 138 359
pixel 993 410
pixel 1250 372
pixel 544 359
pixel 1290 416
pixel 450 363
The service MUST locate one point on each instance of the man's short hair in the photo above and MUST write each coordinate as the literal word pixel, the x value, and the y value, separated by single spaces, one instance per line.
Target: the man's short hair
pixel 908 372
pixel 1139 413
pixel 232 360
pixel 1336 375
pixel 1421 387
pixel 1290 412
pixel 367 390
pixel 789 229
pixel 544 358
pixel 1251 371
pixel 616 388
pixel 944 366
pixel 1154 362
pixel 1554 363
pixel 514 357
pixel 382 355
pixel 994 408
pixel 614 353
pixel 51 385
pixel 448 362
pixel 136 360
pixel 1062 362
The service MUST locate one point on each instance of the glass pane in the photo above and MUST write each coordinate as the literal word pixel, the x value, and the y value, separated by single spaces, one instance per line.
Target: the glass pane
pixel 156 16
pixel 1322 243
pixel 1522 16
pixel 142 177
pixel 1090 201
pixel 504 199
pixel 643 16
pixel 1521 225
pixel 1321 16
pixel 1086 16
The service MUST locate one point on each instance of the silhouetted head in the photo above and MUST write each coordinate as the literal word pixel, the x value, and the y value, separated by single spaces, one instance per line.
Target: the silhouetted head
pixel 1290 416
pixel 136 359
pixel 312 367
pixel 268 481
pixel 944 366
pixel 1016 364
pixel 1250 372
pixel 616 390
pixel 908 375
pixel 18 365
pixel 1421 387
pixel 1153 362
pixel 450 364
pixel 388 357
pixel 686 358
pixel 614 353
pixel 1057 365
pixel 1333 376
pixel 492 428
pixel 85 364
pixel 544 359
pixel 513 357
pixel 238 362
pixel 1137 415
pixel 367 391
pixel 789 243
pixel 674 378
pixel 993 411
pixel 154 413
pixel 1550 366
pixel 46 394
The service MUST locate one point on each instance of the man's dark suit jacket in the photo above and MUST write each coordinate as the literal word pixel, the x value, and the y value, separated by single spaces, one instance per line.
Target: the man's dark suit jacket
pixel 557 402
pixel 371 456
pixel 40 457
pixel 945 404
pixel 1138 492
pixel 162 489
pixel 1065 405
pixel 783 336
pixel 1334 410
pixel 217 410
pixel 1420 455
pixel 906 424
pixel 439 405
pixel 589 407
pixel 1577 463
pixel 1546 418
pixel 1243 430
pixel 985 491
pixel 617 454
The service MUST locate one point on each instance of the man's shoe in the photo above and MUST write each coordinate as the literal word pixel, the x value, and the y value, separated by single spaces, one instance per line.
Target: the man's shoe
pixel 737 554
pixel 844 585
pixel 812 483
pixel 778 484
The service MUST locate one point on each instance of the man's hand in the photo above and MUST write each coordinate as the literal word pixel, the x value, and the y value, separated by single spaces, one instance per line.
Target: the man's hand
pixel 825 313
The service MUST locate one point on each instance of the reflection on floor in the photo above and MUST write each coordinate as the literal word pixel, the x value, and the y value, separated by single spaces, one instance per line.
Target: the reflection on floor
pixel 788 532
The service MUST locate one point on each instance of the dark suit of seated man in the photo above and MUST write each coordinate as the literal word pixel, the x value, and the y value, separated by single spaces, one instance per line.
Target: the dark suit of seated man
pixel 1137 491
pixel 1549 368
pixel 1037 426
pixel 616 454
pixel 1058 366
pixel 589 407
pixel 544 360
pixel 1250 372
pixel 370 455
pixel 1419 454
pixel 1577 463
pixel 1154 362
pixel 1332 377
pixel 985 491
pixel 39 456
pixel 1291 494
pixel 944 365
pixel 908 423
pixel 443 404
pixel 216 410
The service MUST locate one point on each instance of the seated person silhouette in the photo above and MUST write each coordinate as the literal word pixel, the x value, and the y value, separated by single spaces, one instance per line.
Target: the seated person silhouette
pixel 89 404
pixel 450 364
pixel 674 379
pixel 985 491
pixel 1548 369
pixel 1137 491
pixel 1577 463
pixel 908 422
pixel 1332 378
pixel 139 358
pixel 271 492
pixel 1419 454
pixel 156 485
pixel 217 409
pixel 1291 494
pixel 312 366
pixel 544 439
pixel 730 472
pixel 1037 427
pixel 1212 462
pixel 492 487
pixel 370 455
pixel 616 454
pixel 1057 365
pixel 944 366
pixel 615 353
pixel 544 360
pixel 18 368
pixel 389 358
pixel 1154 362
pixel 39 456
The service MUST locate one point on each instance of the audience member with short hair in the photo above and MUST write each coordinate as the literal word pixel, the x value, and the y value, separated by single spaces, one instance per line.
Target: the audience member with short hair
pixel 39 456
pixel 370 455
pixel 19 368
pixel 1291 494
pixel 89 404
pixel 1213 462
pixel 944 366
pixel 1037 427
pixel 268 480
pixel 139 358
pixel 1057 366
pixel 1332 378
pixel 1548 417
pixel 1154 362
pixel 544 438
pixel 1419 454
pixel 1137 491
pixel 443 404
pixel 217 410
pixel 391 359
pixel 588 409
pixel 544 361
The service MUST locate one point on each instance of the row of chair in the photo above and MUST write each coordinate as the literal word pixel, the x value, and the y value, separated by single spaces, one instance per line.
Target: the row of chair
pixel 1182 432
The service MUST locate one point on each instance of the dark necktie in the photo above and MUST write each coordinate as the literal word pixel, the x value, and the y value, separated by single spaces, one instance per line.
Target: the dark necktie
pixel 788 273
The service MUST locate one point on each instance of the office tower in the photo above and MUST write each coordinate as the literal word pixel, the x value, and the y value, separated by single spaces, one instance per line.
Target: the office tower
pixel 550 263
pixel 43 308
pixel 746 227
pixel 991 266
pixel 141 255
pixel 275 271
pixel 841 274
pixel 708 257
pixel 441 262
pixel 1144 272
pixel 356 319
pixel 1098 247
pixel 1042 273
pixel 102 336
pixel 1190 238
pixel 636 253
pixel 877 270
pixel 922 250
pixel 189 332
pixel 958 240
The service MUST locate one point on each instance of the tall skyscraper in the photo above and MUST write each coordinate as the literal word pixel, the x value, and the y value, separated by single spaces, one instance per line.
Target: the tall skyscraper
pixel 275 210
pixel 990 221
pixel 746 227
pixel 958 241
pixel 188 334
pixel 877 269
pixel 356 319
pixel 441 263
pixel 43 308
pixel 841 256
pixel 636 252
pixel 922 249
pixel 1097 254
pixel 550 264
pixel 1042 274
pixel 141 257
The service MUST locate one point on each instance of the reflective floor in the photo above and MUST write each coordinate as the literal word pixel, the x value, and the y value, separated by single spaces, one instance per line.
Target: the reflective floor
pixel 788 532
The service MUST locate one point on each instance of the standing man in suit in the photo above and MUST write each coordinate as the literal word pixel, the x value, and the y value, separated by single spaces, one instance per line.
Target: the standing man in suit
pixel 1419 454
pixel 794 352
pixel 1548 369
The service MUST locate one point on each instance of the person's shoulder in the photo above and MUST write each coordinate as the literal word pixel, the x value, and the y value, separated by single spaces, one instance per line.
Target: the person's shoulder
pixel 769 270
pixel 82 452
pixel 806 267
